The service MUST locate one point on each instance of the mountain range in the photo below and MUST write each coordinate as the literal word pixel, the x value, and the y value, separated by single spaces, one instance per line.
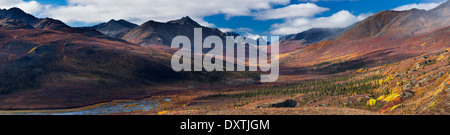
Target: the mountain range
pixel 25 20
pixel 385 35
pixel 313 35
pixel 392 24
pixel 155 33
pixel 115 28
pixel 45 63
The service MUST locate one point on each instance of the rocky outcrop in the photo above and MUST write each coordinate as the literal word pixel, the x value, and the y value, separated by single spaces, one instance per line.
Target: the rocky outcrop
pixel 286 103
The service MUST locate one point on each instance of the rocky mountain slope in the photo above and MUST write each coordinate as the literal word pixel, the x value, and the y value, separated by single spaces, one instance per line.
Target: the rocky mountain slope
pixel 399 24
pixel 313 35
pixel 407 49
pixel 115 28
pixel 45 64
pixel 382 38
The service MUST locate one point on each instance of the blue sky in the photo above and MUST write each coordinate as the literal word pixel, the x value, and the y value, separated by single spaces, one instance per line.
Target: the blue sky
pixel 257 17
pixel 52 2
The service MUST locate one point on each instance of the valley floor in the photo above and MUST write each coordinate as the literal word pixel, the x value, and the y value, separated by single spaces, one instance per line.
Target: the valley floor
pixel 416 86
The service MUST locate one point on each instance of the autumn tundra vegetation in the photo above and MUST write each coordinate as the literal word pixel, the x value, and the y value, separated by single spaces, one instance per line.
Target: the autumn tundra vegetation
pixel 393 62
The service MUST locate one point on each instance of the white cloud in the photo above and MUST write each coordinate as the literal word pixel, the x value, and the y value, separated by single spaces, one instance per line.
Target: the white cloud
pixel 295 10
pixel 300 17
pixel 424 6
pixel 139 11
pixel 31 7
pixel 363 16
pixel 202 22
pixel 225 30
pixel 340 19
pixel 245 32
pixel 251 36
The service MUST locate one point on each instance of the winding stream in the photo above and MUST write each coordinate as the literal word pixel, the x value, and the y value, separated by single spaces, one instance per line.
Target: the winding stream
pixel 104 108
